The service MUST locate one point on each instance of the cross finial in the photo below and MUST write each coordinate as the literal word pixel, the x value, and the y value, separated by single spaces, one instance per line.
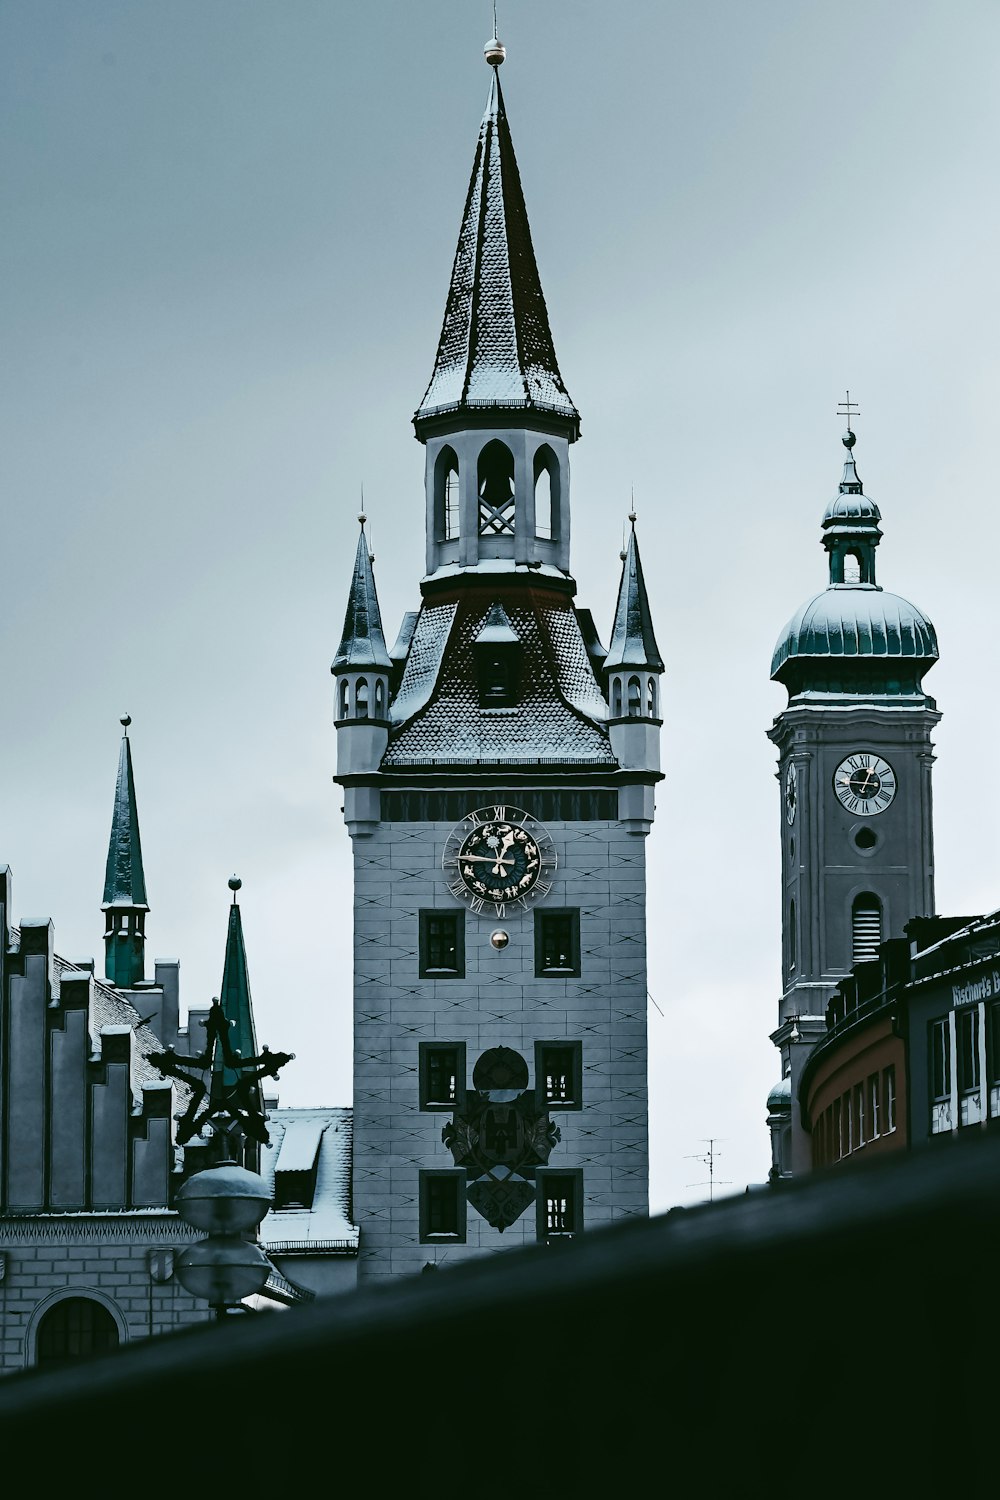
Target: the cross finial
pixel 848 408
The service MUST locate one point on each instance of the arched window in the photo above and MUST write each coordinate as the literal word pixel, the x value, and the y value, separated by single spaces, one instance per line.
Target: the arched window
pixel 852 568
pixel 344 690
pixel 634 698
pixel 616 698
pixel 651 697
pixel 496 490
pixel 866 926
pixel 446 511
pixel 74 1328
pixel 546 493
pixel 792 937
pixel 361 698
pixel 379 698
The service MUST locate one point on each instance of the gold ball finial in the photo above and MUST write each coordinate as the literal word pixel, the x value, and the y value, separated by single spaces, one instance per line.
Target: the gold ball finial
pixel 125 721
pixel 235 883
pixel 494 52
pixel 362 517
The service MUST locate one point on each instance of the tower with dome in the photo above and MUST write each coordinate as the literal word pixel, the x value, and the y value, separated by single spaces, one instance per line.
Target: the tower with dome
pixel 854 775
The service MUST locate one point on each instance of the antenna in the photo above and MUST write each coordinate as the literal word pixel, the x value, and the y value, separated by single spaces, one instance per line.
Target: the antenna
pixel 707 1159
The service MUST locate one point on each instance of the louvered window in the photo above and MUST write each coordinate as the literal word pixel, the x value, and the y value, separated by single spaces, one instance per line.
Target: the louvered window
pixel 866 927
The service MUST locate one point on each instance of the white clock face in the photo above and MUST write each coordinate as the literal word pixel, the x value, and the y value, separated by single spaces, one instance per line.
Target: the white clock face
pixel 791 791
pixel 865 783
pixel 499 860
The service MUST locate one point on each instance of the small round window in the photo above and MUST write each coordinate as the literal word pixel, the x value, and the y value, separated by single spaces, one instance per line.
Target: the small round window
pixel 865 839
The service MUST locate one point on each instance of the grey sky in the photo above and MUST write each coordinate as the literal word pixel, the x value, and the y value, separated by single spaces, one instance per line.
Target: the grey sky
pixel 229 229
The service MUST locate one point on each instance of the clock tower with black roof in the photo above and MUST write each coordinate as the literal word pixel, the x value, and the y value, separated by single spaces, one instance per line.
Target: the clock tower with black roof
pixel 854 772
pixel 498 767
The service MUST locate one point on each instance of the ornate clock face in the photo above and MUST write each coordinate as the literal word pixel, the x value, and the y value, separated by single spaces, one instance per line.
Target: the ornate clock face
pixel 791 791
pixel 499 858
pixel 865 783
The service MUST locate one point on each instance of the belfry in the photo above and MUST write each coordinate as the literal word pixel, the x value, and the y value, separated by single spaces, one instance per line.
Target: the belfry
pixel 498 769
pixel 854 771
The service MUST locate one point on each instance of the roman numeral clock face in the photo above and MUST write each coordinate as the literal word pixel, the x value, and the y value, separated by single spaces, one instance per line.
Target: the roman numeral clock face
pixel 865 784
pixel 499 859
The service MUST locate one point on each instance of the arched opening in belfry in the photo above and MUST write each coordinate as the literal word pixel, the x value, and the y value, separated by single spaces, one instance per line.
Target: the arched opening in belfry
pixel 634 698
pixel 446 492
pixel 496 490
pixel 74 1328
pixel 344 698
pixel 616 698
pixel 361 698
pixel 546 493
pixel 866 926
pixel 651 698
pixel 852 567
pixel 793 946
pixel 379 698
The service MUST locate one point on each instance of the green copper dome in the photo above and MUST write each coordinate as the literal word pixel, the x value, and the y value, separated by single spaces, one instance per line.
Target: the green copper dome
pixel 854 639
pixel 856 620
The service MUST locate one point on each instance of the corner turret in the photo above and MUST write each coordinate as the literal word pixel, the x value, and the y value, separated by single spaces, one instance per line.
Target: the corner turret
pixel 362 667
pixel 632 669
pixel 125 905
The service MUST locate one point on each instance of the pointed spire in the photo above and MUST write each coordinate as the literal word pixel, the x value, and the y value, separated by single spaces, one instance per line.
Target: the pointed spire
pixel 124 881
pixel 234 996
pixel 362 644
pixel 496 347
pixel 633 643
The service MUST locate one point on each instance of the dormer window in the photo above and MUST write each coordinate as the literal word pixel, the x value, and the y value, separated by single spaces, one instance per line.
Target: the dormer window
pixel 498 660
pixel 297 1166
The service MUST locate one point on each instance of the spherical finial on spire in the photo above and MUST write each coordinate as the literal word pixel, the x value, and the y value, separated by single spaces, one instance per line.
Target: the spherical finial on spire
pixel 494 52
pixel 125 721
pixel 362 517
pixel 235 883
pixel 848 439
pixel 631 516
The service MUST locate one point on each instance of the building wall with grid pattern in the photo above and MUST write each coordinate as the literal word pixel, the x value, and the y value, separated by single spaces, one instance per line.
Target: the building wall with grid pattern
pixel 498 1002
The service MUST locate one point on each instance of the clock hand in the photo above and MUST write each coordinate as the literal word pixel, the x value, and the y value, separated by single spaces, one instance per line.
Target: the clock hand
pixel 485 859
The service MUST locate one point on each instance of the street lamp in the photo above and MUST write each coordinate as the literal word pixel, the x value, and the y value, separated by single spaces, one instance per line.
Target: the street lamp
pixel 227 1201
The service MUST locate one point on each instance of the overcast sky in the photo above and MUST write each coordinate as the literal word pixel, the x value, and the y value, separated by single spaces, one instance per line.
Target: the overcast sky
pixel 228 234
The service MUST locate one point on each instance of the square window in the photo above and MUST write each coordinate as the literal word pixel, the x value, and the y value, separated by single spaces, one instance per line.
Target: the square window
pixel 442 1208
pixel 557 944
pixel 442 945
pixel 559 1204
pixel 559 1075
pixel 442 1074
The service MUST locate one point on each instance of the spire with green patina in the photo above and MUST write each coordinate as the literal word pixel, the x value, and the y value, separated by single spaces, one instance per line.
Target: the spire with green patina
pixel 234 996
pixel 124 903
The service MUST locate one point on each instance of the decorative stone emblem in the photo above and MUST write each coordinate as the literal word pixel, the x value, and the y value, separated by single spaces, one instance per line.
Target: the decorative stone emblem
pixel 500 1137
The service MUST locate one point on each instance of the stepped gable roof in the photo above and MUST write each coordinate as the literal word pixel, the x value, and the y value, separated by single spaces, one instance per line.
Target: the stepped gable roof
pixel 362 643
pixel 303 1139
pixel 559 718
pixel 633 643
pixel 496 346
pixel 124 881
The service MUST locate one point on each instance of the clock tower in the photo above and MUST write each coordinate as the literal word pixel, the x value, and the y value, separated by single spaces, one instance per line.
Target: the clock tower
pixel 498 767
pixel 854 772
